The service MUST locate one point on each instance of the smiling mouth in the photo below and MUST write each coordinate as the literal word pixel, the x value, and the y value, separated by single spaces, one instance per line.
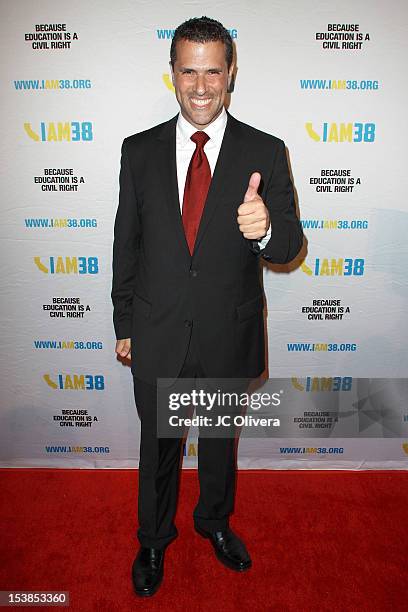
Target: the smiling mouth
pixel 200 102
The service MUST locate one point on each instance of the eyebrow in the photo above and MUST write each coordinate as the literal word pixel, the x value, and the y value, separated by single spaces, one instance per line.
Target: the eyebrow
pixel 215 68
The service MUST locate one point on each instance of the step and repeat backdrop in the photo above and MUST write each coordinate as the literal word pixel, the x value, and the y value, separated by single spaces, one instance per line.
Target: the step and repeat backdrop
pixel 330 80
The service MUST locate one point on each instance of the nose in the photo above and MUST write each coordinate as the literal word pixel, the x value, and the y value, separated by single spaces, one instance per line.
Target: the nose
pixel 200 84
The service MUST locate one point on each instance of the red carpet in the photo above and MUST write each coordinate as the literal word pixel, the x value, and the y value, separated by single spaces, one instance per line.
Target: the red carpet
pixel 323 541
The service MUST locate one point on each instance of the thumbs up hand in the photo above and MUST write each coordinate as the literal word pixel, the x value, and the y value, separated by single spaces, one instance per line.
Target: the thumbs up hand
pixel 253 216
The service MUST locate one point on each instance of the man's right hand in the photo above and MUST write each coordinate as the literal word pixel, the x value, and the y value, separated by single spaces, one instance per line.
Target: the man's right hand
pixel 123 348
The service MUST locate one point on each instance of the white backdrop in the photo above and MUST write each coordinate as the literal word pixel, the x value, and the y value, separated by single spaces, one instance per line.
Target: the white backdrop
pixel 328 79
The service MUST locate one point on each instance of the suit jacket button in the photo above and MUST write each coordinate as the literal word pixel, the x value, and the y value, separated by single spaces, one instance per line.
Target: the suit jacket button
pixel 193 273
pixel 187 323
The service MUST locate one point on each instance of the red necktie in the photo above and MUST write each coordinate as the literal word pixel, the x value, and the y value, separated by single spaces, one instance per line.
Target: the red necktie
pixel 198 181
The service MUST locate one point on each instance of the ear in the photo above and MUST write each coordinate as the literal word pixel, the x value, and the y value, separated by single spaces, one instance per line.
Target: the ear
pixel 172 73
pixel 231 78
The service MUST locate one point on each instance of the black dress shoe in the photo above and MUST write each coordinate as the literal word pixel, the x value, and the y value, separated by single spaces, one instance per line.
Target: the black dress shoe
pixel 229 549
pixel 147 571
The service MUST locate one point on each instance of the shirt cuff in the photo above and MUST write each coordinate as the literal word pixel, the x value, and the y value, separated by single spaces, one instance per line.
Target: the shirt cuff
pixel 264 241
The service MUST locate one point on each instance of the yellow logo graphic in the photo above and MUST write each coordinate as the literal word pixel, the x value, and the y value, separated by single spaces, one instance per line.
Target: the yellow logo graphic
pixel 50 382
pixel 30 132
pixel 40 265
pixel 167 81
pixel 405 447
pixel 297 385
pixel 314 135
pixel 305 268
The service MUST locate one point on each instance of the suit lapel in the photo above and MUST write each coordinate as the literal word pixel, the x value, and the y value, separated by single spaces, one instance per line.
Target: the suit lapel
pixel 166 161
pixel 224 176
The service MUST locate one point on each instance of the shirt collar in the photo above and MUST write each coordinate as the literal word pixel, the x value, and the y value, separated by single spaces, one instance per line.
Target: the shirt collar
pixel 184 129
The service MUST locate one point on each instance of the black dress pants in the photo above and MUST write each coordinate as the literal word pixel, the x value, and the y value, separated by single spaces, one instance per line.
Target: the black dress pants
pixel 160 463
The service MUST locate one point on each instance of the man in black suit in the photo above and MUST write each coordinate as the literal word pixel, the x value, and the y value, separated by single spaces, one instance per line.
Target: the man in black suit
pixel 202 197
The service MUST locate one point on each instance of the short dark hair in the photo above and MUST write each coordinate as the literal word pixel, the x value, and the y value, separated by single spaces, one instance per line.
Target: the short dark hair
pixel 202 30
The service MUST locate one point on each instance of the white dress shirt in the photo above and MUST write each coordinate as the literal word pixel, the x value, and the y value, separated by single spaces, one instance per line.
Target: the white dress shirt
pixel 185 148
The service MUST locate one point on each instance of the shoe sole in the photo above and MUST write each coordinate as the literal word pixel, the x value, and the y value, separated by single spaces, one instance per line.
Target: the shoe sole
pixel 220 558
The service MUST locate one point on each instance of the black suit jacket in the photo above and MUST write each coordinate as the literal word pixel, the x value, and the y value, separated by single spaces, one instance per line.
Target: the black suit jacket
pixel 159 291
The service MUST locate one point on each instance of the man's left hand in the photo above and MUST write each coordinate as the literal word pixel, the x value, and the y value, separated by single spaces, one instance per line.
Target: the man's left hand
pixel 253 216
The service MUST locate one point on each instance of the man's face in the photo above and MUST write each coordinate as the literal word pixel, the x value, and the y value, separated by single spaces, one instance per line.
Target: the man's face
pixel 201 77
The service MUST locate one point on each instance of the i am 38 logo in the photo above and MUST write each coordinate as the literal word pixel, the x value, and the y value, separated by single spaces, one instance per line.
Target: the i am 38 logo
pixel 342 132
pixel 334 267
pixel 68 131
pixel 76 382
pixel 67 265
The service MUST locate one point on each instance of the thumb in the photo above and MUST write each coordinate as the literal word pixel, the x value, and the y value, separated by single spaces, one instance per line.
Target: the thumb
pixel 253 185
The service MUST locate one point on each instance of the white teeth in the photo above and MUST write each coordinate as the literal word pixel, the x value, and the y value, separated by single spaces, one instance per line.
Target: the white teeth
pixel 200 101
